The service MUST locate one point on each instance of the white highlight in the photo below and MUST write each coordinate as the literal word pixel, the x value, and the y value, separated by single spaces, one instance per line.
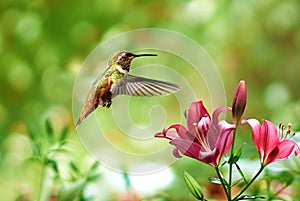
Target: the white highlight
pixel 121 70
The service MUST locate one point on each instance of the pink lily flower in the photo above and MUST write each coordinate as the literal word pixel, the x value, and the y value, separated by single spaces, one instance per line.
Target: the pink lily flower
pixel 270 145
pixel 205 139
pixel 239 101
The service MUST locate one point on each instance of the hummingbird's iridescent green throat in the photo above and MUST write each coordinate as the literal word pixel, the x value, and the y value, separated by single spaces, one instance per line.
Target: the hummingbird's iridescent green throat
pixel 116 80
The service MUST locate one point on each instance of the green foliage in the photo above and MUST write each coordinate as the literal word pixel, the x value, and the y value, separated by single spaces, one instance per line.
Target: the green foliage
pixel 236 156
pixel 193 186
pixel 79 182
pixel 45 147
pixel 72 192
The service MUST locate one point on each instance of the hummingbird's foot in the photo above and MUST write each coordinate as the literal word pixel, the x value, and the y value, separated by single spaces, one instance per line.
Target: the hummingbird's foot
pixel 107 104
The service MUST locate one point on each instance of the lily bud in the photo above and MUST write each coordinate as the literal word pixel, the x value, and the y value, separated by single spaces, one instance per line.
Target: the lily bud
pixel 239 101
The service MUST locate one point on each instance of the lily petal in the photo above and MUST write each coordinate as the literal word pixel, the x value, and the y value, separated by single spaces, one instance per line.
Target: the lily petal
pixel 268 138
pixel 217 112
pixel 209 157
pixel 282 151
pixel 195 113
pixel 205 140
pixel 193 150
pixel 224 142
pixel 169 135
pixel 216 126
pixel 187 148
pixel 268 142
pixel 255 125
pixel 239 101
pixel 181 131
pixel 203 126
pixel 176 152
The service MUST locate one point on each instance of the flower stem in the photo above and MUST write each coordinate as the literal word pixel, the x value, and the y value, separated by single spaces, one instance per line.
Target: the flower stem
pixel 252 180
pixel 222 181
pixel 230 164
pixel 41 192
pixel 241 173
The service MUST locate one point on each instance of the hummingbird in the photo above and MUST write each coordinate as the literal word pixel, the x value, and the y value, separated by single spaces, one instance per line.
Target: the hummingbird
pixel 116 80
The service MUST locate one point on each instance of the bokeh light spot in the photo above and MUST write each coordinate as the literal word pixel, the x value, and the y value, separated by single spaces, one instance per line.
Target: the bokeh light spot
pixel 283 17
pixel 199 11
pixel 29 27
pixel 45 57
pixel 20 76
pixel 276 95
pixel 83 33
pixel 9 20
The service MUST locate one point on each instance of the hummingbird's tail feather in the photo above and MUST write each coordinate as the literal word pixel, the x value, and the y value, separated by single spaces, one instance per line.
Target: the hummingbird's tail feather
pixel 79 122
pixel 87 109
pixel 92 101
pixel 83 115
pixel 139 86
pixel 81 118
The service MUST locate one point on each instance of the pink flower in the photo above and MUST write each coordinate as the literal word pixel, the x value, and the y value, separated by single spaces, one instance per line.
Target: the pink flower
pixel 206 139
pixel 239 101
pixel 270 145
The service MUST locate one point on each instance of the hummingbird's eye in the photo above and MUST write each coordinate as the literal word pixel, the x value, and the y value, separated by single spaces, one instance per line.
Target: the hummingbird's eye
pixel 128 54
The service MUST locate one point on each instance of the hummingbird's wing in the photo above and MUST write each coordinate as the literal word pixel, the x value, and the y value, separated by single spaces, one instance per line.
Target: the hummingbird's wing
pixel 139 86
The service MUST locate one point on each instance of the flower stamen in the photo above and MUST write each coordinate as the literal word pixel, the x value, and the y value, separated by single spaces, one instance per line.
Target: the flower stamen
pixel 200 138
pixel 285 131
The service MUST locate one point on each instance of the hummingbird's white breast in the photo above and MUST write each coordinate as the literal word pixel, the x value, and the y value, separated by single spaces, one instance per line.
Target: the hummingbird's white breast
pixel 121 70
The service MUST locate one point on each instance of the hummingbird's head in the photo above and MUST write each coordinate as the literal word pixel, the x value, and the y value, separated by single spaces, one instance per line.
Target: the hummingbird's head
pixel 123 58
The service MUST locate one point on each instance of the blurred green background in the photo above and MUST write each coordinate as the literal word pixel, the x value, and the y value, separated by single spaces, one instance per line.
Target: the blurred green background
pixel 44 42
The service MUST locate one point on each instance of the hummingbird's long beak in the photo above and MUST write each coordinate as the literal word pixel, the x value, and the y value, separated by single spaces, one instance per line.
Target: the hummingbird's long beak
pixel 143 55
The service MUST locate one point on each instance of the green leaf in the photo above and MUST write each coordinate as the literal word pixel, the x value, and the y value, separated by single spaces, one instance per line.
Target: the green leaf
pixel 193 186
pixel 53 164
pixel 64 134
pixel 37 149
pixel 251 197
pixel 74 167
pixel 35 159
pixel 95 166
pixel 93 177
pixel 236 156
pixel 31 133
pixel 72 192
pixel 214 180
pixel 126 179
pixel 62 143
pixel 61 150
pixel 86 198
pixel 48 126
pixel 73 177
